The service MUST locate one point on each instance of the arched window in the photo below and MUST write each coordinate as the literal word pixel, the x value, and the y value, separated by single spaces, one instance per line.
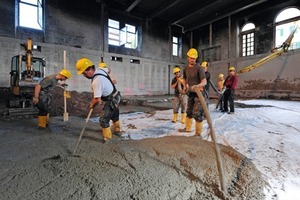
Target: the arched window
pixel 285 22
pixel 248 39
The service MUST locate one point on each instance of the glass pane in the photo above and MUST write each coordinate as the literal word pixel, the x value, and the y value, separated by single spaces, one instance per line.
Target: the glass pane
pixel 283 31
pixel 130 28
pixel 123 38
pixel 131 41
pixel 28 16
pixel 287 14
pixel 113 24
pixel 40 14
pixel 248 27
pixel 175 49
pixel 113 37
pixel 175 40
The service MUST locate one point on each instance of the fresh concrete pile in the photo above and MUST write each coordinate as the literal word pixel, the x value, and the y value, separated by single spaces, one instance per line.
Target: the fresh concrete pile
pixel 38 164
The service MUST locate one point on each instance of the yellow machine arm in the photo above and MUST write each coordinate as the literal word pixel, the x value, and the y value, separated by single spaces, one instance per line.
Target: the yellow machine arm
pixel 29 69
pixel 275 53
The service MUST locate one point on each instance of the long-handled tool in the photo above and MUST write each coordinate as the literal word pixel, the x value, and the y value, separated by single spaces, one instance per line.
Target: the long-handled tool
pixel 83 129
pixel 213 136
pixel 66 114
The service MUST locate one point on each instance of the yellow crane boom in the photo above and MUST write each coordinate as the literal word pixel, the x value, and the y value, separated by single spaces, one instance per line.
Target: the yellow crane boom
pixel 275 53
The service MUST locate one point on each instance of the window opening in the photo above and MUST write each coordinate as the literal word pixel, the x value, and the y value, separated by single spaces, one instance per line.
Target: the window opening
pixel 286 22
pixel 175 46
pixel 248 39
pixel 126 36
pixel 31 14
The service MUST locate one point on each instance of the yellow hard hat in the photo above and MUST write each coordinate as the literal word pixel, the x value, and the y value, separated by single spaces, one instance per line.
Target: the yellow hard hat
pixel 176 69
pixel 82 64
pixel 192 53
pixel 102 65
pixel 204 64
pixel 231 69
pixel 65 73
pixel 221 75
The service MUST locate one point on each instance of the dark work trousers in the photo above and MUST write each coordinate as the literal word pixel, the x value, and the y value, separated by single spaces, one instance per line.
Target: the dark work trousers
pixel 229 97
pixel 109 110
pixel 194 108
pixel 44 104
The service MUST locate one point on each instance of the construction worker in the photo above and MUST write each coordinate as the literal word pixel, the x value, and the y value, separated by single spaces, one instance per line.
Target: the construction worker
pixel 193 77
pixel 230 83
pixel 105 94
pixel 180 97
pixel 103 65
pixel 220 82
pixel 204 65
pixel 42 97
pixel 221 91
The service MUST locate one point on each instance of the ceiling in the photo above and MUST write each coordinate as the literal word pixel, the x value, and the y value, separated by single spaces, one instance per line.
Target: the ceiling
pixel 188 14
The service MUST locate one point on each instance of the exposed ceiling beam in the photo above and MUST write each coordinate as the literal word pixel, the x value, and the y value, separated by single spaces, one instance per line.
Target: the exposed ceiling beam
pixel 225 15
pixel 135 3
pixel 158 12
pixel 207 7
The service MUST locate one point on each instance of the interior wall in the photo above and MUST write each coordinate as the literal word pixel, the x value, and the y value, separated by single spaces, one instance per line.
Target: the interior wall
pixel 278 75
pixel 78 29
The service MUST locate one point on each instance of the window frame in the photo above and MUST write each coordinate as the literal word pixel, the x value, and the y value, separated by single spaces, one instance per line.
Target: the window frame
pixel 39 7
pixel 177 46
pixel 127 36
pixel 294 45
pixel 248 47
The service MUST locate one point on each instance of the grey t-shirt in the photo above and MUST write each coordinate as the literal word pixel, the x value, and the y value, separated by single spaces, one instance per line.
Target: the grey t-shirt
pixel 193 75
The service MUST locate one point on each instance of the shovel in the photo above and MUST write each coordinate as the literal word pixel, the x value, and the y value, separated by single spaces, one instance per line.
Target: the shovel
pixel 83 129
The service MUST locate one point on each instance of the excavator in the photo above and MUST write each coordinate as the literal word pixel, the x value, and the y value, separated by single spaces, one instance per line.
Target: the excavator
pixel 26 72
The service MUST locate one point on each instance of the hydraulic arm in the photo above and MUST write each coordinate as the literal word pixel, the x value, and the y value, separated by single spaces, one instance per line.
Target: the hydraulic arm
pixel 275 53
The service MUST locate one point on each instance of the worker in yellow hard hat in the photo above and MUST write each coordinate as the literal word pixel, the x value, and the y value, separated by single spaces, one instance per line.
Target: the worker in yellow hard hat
pixel 180 97
pixel 230 85
pixel 103 66
pixel 42 96
pixel 220 82
pixel 220 91
pixel 204 65
pixel 193 77
pixel 106 94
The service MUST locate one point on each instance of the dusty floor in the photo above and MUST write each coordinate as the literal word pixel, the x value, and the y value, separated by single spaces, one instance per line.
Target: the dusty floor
pixel 38 164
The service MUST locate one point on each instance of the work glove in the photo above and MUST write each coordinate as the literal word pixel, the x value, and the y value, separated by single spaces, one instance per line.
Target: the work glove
pixel 180 80
pixel 92 105
pixel 195 86
pixel 35 100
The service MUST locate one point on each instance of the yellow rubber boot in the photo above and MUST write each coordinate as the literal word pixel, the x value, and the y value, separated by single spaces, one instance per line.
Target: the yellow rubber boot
pixel 188 125
pixel 198 130
pixel 116 128
pixel 106 132
pixel 42 121
pixel 183 118
pixel 174 118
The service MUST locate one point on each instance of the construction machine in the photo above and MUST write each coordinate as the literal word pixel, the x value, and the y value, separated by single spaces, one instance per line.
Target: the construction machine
pixel 278 51
pixel 26 72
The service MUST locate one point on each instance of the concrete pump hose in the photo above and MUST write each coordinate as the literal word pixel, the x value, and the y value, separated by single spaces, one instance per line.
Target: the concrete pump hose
pixel 212 133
